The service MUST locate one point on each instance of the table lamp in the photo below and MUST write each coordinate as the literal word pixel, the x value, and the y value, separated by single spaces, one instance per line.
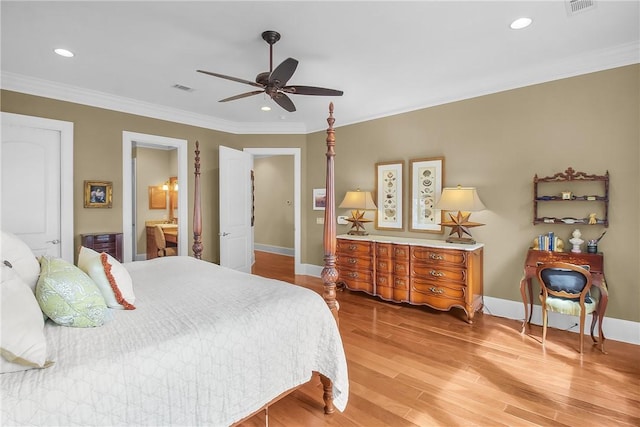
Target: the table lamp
pixel 358 201
pixel 464 200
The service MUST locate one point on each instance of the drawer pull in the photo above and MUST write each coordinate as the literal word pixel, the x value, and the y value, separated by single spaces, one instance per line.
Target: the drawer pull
pixel 352 274
pixel 435 290
pixel 436 256
pixel 436 273
pixel 353 247
pixel 353 260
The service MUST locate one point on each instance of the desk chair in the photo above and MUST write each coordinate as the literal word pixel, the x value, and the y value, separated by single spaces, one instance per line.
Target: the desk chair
pixel 565 289
pixel 161 243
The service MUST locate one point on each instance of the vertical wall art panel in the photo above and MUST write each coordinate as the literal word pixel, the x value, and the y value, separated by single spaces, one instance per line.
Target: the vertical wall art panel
pixel 426 187
pixel 389 190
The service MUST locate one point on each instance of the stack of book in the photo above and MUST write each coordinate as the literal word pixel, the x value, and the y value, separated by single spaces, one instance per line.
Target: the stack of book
pixel 547 242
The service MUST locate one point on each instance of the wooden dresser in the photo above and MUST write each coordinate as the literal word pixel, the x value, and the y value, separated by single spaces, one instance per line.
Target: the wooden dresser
pixel 110 243
pixel 423 272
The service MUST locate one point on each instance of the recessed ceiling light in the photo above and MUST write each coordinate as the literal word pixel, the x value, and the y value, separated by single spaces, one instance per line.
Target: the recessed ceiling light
pixel 64 52
pixel 521 23
pixel 265 108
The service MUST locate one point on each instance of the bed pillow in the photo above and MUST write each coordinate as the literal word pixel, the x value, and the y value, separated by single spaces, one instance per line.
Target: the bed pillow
pixel 18 255
pixel 22 342
pixel 112 278
pixel 68 296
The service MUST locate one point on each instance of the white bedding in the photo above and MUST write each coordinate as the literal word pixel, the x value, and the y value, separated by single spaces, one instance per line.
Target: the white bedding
pixel 205 346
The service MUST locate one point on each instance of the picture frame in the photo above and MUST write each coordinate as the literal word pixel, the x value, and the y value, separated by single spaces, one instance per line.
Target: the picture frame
pixel 98 194
pixel 157 197
pixel 426 183
pixel 319 199
pixel 389 195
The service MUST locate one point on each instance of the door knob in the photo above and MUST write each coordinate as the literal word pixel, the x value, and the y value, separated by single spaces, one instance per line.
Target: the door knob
pixel 224 233
pixel 54 241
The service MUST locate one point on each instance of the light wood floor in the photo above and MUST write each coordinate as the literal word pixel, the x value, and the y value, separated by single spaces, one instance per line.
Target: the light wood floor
pixel 413 366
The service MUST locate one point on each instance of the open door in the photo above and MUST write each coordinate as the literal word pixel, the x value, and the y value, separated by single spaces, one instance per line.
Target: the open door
pixel 236 242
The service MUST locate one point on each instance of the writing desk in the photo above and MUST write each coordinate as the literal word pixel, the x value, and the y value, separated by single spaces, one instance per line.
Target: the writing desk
pixel 171 234
pixel 596 268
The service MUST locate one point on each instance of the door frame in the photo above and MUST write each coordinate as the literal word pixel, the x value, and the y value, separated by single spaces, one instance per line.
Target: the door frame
pixel 296 153
pixel 66 172
pixel 129 139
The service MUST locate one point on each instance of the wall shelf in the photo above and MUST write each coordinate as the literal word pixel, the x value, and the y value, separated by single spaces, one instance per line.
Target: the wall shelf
pixel 570 180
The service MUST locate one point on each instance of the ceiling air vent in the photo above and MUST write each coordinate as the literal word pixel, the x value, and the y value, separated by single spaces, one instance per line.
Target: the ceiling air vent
pixel 182 87
pixel 579 6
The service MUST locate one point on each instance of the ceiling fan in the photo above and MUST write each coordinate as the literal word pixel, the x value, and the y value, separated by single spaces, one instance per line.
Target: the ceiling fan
pixel 273 82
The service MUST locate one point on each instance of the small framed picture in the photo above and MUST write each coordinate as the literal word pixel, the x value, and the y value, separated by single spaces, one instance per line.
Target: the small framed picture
pixel 98 194
pixel 319 199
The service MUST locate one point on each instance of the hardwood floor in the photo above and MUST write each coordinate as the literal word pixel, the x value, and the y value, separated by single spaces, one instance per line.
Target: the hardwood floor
pixel 413 366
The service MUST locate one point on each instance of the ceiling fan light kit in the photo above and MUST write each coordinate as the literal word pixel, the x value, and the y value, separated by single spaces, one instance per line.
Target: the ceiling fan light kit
pixel 274 82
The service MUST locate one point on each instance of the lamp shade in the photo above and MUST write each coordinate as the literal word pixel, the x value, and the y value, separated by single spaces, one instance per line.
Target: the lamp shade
pixel 358 200
pixel 459 198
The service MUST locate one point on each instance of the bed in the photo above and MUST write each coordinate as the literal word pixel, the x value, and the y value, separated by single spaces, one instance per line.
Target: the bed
pixel 205 345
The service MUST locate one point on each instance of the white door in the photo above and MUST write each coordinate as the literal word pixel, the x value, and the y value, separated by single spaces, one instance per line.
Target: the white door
pixel 235 209
pixel 37 196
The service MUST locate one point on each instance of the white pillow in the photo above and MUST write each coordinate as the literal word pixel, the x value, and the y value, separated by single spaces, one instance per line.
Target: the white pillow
pixel 22 344
pixel 112 278
pixel 21 259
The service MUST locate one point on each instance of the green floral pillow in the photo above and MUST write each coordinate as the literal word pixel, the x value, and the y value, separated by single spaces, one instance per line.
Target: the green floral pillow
pixel 68 296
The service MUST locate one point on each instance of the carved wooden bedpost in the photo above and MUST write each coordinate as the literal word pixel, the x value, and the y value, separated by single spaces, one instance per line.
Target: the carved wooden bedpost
pixel 329 272
pixel 197 209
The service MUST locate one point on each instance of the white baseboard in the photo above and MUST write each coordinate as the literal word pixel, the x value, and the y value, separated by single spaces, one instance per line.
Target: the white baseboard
pixel 274 249
pixel 614 329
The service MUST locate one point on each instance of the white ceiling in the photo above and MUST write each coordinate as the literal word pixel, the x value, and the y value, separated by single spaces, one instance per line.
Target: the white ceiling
pixel 387 56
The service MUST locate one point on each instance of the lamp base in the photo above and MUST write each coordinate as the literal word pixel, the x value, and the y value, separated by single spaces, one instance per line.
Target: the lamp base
pixel 461 240
pixel 358 233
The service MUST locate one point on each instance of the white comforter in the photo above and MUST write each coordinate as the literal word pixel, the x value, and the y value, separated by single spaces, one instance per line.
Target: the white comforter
pixel 205 346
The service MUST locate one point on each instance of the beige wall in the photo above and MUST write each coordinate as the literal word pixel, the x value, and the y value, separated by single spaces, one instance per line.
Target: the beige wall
pixel 496 142
pixel 274 213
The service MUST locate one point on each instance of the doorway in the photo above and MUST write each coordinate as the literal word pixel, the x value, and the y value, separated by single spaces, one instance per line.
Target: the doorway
pixel 295 152
pixel 129 141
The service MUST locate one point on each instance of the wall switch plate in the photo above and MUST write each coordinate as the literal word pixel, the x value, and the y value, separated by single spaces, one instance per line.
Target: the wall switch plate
pixel 342 220
pixel 320 220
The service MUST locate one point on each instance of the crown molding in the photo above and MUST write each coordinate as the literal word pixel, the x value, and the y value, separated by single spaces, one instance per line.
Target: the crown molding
pixel 69 93
pixel 572 66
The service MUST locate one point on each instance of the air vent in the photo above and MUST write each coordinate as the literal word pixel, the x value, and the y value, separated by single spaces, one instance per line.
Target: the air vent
pixel 578 6
pixel 182 87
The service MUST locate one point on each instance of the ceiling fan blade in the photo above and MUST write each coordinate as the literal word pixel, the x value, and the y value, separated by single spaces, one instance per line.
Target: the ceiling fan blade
pixel 311 90
pixel 242 95
pixel 284 101
pixel 283 72
pixel 235 79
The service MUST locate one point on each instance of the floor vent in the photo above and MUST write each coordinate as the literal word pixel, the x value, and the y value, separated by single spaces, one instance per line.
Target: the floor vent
pixel 578 6
pixel 182 87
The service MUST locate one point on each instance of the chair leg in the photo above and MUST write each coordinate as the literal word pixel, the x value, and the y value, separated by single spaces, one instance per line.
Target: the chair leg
pixel 582 317
pixel 544 324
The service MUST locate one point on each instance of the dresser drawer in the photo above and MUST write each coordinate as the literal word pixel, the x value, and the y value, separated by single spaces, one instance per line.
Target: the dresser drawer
pixel 439 273
pixel 353 248
pixel 356 280
pixel 425 255
pixel 437 294
pixel 352 262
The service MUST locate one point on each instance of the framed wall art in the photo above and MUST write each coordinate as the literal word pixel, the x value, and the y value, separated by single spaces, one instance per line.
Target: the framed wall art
pixel 157 197
pixel 425 178
pixel 389 190
pixel 319 199
pixel 98 194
